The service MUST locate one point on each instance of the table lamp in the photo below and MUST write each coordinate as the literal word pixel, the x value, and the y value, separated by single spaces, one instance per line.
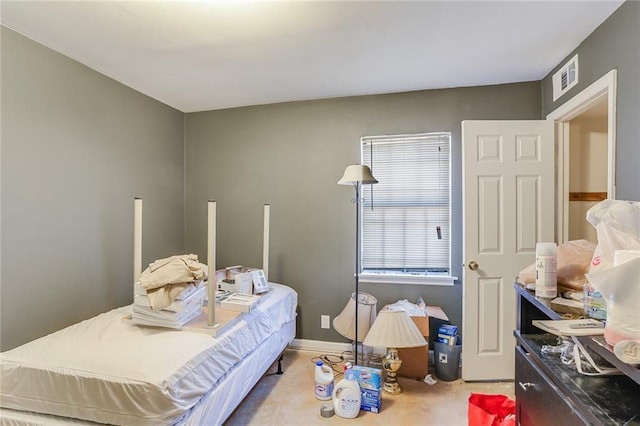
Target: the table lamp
pixel 393 330
pixel 345 323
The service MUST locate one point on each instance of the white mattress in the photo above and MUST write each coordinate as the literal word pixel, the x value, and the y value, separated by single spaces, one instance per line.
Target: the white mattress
pixel 107 371
pixel 216 406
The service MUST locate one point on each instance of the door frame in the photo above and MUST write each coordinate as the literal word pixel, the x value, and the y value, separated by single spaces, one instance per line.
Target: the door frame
pixel 604 87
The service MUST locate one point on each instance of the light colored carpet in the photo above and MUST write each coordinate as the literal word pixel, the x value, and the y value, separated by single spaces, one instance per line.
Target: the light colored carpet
pixel 289 399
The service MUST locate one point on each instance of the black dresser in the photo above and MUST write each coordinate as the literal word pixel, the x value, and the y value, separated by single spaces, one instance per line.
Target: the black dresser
pixel 549 392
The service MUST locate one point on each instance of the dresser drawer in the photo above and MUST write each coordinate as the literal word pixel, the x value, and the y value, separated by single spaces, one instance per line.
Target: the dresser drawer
pixel 538 401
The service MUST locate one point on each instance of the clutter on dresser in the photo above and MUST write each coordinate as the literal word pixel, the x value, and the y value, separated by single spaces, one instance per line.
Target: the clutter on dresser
pixel 580 377
pixel 615 273
pixel 571 327
pixel 573 262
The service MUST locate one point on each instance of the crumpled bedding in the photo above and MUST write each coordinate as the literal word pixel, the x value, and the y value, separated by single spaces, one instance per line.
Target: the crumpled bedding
pixel 166 278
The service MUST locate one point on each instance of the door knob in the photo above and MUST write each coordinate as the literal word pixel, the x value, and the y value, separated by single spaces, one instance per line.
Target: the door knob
pixel 473 265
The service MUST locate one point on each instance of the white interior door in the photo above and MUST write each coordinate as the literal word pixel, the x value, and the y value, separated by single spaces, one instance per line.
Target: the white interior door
pixel 508 206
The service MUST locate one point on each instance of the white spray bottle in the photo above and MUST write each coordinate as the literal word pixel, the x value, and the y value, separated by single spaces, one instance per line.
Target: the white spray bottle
pixel 346 395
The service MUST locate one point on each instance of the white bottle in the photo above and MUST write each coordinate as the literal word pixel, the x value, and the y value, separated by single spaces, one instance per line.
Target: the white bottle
pixel 546 270
pixel 346 395
pixel 324 381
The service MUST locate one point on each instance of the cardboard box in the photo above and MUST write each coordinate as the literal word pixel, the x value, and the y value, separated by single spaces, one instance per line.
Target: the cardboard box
pixel 236 279
pixel 415 361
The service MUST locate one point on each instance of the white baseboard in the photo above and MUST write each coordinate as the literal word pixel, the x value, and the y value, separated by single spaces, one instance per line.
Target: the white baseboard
pixel 335 347
pixel 330 347
pixel 319 346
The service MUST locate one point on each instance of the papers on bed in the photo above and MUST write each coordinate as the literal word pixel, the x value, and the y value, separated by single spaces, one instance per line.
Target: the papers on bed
pixel 186 307
pixel 184 301
pixel 140 291
pixel 237 302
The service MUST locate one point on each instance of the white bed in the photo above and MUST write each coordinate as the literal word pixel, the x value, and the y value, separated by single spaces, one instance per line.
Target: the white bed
pixel 105 370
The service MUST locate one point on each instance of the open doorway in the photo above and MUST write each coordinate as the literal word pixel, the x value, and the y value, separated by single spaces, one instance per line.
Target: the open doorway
pixel 587 168
pixel 585 134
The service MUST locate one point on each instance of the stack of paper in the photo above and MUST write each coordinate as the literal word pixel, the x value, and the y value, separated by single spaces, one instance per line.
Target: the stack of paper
pixel 182 310
pixel 187 300
pixel 239 302
pixel 577 327
pixel 138 290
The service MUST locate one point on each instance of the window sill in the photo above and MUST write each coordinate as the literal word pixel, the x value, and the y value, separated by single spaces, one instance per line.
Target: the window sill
pixel 440 280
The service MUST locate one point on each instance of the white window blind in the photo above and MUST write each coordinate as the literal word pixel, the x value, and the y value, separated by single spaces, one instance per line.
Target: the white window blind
pixel 408 229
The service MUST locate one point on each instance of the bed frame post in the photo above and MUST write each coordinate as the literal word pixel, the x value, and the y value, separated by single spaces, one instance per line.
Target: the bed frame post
pixel 211 265
pixel 265 241
pixel 137 240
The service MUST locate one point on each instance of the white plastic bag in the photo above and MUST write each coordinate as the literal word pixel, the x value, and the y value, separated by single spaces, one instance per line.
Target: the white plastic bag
pixel 620 287
pixel 617 225
pixel 615 266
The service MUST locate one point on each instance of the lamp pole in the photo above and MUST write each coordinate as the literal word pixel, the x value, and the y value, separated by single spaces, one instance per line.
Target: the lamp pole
pixel 357 186
pixel 357 175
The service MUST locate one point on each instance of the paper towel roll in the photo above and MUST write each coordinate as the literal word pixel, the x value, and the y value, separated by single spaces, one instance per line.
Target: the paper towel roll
pixel 622 256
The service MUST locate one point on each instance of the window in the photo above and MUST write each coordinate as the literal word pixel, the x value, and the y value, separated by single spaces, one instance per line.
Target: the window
pixel 406 232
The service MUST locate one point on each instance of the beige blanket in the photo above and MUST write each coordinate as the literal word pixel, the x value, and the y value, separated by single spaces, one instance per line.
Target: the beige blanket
pixel 166 278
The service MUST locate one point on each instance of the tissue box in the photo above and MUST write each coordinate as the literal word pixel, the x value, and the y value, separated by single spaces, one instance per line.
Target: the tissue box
pixel 235 279
pixel 370 381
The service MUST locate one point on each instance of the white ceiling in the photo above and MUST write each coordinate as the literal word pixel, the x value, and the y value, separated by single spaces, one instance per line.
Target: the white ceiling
pixel 203 55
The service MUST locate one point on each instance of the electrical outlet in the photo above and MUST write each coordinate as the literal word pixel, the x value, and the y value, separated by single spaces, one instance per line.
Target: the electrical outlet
pixel 324 321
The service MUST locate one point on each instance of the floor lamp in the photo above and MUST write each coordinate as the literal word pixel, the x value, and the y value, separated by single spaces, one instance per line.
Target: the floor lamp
pixel 357 175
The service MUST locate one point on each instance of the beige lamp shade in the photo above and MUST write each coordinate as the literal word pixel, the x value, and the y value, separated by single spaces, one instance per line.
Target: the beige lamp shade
pixel 394 329
pixel 345 323
pixel 357 173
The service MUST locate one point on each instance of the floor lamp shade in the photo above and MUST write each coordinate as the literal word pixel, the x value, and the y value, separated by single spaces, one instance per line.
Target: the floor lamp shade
pixel 345 323
pixel 357 174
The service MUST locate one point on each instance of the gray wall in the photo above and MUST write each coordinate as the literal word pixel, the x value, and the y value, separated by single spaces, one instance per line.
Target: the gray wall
pixel 291 155
pixel 76 148
pixel 613 45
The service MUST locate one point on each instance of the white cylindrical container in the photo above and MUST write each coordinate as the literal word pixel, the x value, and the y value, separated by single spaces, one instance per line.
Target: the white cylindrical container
pixel 546 270
pixel 347 396
pixel 324 381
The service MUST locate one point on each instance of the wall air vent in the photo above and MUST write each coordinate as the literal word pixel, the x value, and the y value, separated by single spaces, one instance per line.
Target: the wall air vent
pixel 565 78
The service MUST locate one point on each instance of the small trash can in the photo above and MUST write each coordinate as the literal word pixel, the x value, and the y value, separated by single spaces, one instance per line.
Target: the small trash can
pixel 447 360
